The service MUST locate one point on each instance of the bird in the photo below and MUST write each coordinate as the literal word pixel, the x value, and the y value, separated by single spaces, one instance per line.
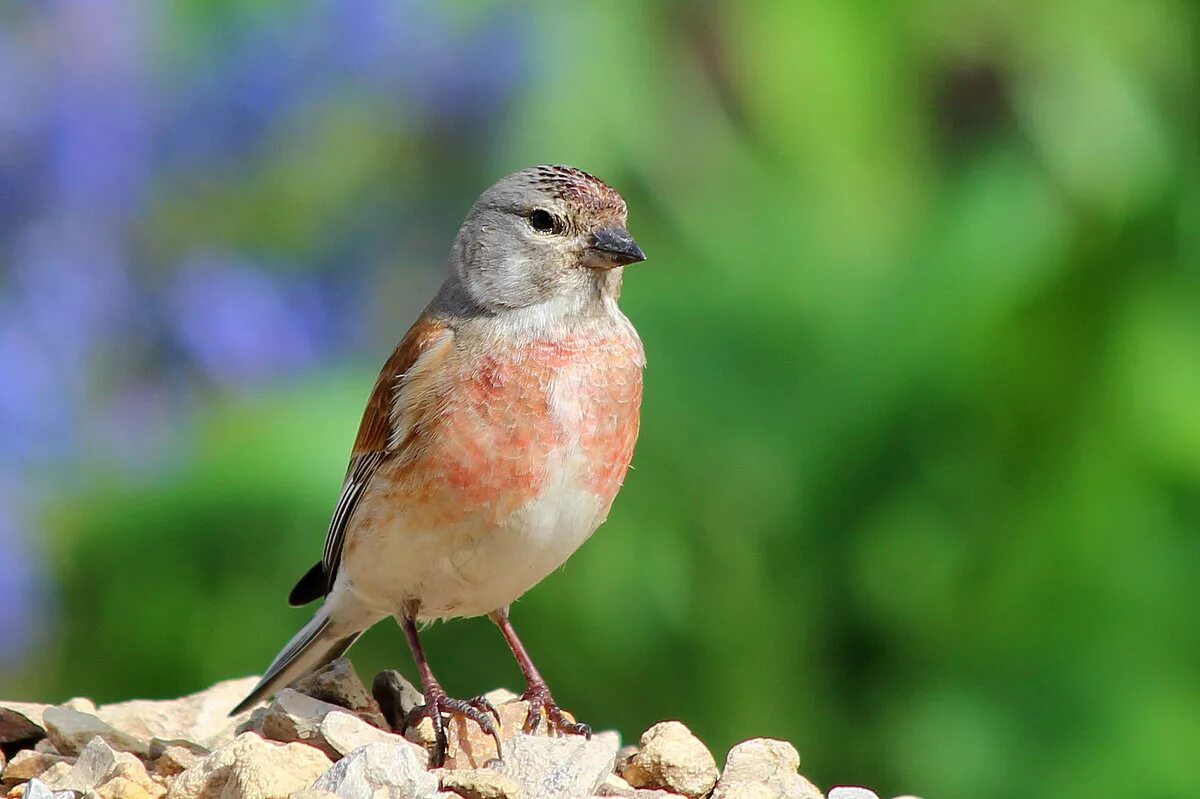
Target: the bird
pixel 493 444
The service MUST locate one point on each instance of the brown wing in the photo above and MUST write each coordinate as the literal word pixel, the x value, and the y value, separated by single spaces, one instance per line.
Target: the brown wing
pixel 387 423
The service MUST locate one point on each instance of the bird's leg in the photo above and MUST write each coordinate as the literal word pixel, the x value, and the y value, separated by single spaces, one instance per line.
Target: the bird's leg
pixel 537 693
pixel 437 703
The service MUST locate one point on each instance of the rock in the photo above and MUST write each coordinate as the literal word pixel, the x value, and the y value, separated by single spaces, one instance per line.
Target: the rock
pixel 673 759
pixel 17 730
pixel 175 760
pixel 55 774
pixel 343 733
pixel 338 684
pixel 852 792
pixel 71 730
pixel 312 793
pixel 97 764
pixel 624 755
pixel 46 748
pixel 380 771
pixel 556 768
pixel 28 764
pixel 395 696
pixel 499 696
pixel 293 716
pixel 251 768
pixel 481 783
pixel 764 767
pixel 617 787
pixel 610 738
pixel 122 788
pixel 36 789
pixel 132 770
pixel 30 710
pixel 202 718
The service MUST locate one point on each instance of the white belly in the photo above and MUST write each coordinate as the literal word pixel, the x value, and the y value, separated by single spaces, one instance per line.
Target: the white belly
pixel 475 566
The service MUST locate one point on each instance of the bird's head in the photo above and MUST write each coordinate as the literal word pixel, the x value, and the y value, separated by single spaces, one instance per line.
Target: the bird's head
pixel 544 234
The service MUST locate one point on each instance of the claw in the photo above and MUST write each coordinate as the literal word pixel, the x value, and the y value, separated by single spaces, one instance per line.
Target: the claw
pixel 482 704
pixel 438 705
pixel 539 699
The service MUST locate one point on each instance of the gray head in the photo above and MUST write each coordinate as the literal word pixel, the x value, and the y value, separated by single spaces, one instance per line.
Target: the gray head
pixel 547 233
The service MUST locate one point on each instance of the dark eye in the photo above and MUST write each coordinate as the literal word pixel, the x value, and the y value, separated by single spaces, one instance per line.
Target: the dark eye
pixel 543 221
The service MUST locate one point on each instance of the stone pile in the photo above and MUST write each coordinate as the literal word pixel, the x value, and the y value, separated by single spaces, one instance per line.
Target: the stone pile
pixel 327 737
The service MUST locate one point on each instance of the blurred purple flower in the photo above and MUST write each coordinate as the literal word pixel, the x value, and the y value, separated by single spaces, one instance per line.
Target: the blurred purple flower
pixel 35 406
pixel 70 279
pixel 99 131
pixel 444 70
pixel 91 125
pixel 240 323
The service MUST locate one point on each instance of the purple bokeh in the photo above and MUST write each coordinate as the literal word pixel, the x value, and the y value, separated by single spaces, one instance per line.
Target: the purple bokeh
pixel 105 336
pixel 240 323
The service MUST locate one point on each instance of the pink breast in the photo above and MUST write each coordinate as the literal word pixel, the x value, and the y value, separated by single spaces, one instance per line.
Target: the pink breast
pixel 499 425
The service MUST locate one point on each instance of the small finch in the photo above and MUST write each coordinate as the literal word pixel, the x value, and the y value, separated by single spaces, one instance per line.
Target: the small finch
pixel 494 442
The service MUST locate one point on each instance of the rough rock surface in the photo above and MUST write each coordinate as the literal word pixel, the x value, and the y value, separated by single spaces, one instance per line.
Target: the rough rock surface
pixel 29 764
pixel 853 792
pixel 673 759
pixel 292 716
pixel 251 768
pixel 201 718
pixel 71 730
pixel 481 783
pixel 336 731
pixel 338 684
pixel 19 728
pixel 327 738
pixel 379 771
pixel 550 768
pixel 763 767
pixel 97 765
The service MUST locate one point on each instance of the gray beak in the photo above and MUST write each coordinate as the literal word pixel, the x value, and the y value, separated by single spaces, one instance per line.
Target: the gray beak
pixel 615 245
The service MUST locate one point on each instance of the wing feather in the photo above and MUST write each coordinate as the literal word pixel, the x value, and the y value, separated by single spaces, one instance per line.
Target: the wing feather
pixel 388 423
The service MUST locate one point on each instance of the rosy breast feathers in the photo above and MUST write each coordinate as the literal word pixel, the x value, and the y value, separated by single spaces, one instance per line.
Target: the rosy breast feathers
pixel 502 420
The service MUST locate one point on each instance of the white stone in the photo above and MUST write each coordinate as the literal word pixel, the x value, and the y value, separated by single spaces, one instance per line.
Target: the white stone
pixel 28 764
pixel 852 792
pixel 673 759
pixel 201 718
pixel 762 768
pixel 379 771
pixel 36 789
pixel 481 783
pixel 96 762
pixel 71 730
pixel 344 732
pixel 570 767
pixel 251 768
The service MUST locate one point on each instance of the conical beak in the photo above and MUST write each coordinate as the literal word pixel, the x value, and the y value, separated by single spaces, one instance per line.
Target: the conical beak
pixel 613 246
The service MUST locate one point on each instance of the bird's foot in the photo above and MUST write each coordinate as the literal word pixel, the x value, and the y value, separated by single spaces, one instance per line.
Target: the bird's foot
pixel 438 706
pixel 540 700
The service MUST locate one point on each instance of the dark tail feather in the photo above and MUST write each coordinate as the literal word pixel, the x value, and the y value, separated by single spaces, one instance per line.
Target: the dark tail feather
pixel 310 649
pixel 313 585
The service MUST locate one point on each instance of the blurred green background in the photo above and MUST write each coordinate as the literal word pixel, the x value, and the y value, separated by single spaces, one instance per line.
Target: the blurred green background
pixel 918 487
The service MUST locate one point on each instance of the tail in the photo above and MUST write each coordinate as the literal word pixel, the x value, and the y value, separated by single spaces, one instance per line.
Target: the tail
pixel 318 642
